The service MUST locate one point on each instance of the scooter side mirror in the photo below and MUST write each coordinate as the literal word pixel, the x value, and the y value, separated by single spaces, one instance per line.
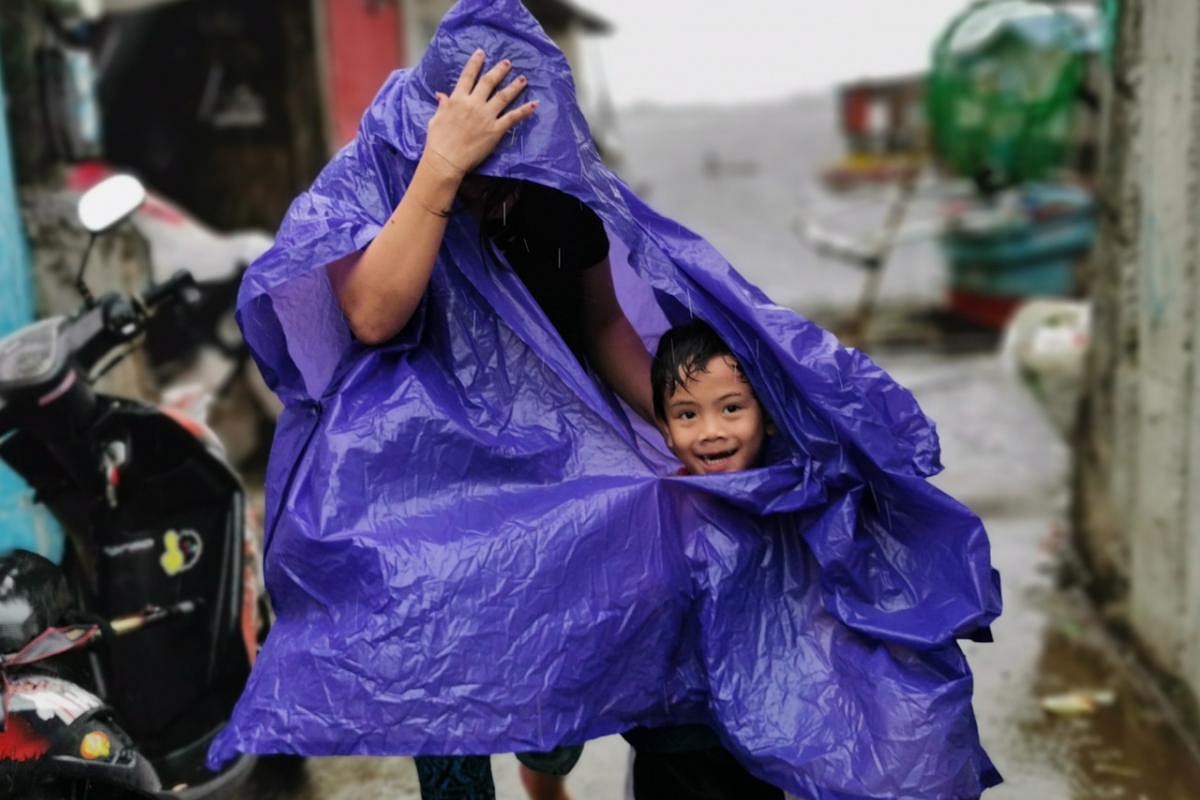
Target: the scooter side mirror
pixel 110 201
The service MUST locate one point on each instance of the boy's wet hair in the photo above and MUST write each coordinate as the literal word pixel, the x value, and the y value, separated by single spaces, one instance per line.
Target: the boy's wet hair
pixel 682 352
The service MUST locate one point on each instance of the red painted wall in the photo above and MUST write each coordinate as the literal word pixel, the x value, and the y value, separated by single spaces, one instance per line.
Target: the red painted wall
pixel 364 42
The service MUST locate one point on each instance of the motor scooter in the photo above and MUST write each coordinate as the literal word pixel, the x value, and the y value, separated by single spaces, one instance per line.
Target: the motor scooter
pixel 198 343
pixel 120 666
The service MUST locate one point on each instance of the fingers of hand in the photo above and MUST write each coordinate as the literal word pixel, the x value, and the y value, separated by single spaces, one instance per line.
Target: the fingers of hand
pixel 491 79
pixel 501 99
pixel 470 73
pixel 519 113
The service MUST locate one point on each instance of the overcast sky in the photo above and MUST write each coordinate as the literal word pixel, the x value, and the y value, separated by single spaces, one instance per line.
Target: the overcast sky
pixel 688 51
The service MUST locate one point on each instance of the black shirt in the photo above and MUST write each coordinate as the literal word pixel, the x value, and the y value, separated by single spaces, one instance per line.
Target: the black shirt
pixel 550 239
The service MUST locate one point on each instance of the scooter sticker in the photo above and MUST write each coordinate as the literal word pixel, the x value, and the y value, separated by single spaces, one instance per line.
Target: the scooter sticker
pixel 128 548
pixel 49 697
pixel 20 742
pixel 181 551
pixel 95 745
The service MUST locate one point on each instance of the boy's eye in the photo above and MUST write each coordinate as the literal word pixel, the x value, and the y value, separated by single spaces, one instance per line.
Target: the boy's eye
pixel 732 408
pixel 685 415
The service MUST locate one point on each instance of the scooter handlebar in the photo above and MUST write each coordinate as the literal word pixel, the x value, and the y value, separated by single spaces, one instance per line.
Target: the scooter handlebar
pixel 118 318
pixel 173 289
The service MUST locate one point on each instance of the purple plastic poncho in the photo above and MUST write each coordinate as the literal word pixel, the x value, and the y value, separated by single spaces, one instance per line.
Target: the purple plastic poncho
pixel 472 549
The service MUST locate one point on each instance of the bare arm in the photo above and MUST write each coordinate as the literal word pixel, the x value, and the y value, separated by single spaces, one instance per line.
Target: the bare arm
pixel 379 290
pixel 614 347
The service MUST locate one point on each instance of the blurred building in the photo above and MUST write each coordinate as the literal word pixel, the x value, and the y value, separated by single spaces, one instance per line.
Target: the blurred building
pixel 1137 492
pixel 885 115
pixel 228 108
pixel 883 124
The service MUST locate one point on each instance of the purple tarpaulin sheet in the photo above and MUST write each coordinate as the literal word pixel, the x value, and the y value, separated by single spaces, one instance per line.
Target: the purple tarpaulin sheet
pixel 471 549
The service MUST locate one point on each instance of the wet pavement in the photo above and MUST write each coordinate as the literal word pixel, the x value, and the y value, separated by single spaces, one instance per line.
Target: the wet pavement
pixel 1005 461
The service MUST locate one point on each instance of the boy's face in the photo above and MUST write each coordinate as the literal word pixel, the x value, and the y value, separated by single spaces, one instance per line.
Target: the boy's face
pixel 714 422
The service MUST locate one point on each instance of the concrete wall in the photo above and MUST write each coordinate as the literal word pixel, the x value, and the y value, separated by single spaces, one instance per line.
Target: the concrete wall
pixel 1138 489
pixel 1104 488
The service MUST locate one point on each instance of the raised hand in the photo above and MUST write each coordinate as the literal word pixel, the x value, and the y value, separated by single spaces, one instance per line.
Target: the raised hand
pixel 470 120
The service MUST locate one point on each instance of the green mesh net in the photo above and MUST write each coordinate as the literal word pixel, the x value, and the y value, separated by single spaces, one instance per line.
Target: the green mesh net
pixel 1001 92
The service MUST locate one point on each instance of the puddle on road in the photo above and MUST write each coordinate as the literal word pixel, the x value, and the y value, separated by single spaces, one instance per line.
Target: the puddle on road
pixel 1126 750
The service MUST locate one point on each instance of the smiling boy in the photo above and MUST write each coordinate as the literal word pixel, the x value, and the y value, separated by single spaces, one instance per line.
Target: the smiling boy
pixel 706 408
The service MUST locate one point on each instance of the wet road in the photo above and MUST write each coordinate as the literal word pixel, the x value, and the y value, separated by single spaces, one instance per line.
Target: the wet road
pixel 1004 460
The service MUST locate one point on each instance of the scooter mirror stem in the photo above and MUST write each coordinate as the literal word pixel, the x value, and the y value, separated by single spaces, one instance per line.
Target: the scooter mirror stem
pixel 102 207
pixel 89 301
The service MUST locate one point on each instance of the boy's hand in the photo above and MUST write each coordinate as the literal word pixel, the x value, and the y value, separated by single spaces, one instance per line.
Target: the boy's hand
pixel 469 121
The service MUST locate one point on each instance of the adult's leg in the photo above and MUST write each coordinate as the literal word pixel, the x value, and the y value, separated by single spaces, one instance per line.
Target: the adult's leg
pixel 711 774
pixel 542 785
pixel 455 777
pixel 543 774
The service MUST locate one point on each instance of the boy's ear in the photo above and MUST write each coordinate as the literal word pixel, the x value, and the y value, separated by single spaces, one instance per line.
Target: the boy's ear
pixel 665 430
